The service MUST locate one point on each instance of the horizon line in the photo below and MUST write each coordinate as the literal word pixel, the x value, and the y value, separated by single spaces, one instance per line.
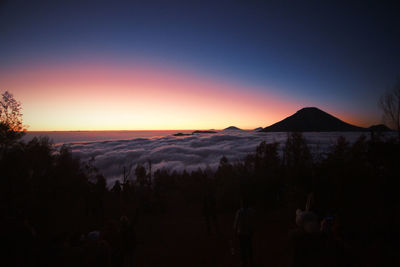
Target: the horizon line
pixel 208 129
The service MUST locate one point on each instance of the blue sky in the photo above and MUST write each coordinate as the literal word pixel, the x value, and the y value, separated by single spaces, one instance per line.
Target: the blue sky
pixel 327 54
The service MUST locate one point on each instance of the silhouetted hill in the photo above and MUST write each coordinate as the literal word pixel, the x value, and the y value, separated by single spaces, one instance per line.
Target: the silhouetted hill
pixel 379 128
pixel 182 134
pixel 232 128
pixel 202 132
pixel 312 119
pixel 258 129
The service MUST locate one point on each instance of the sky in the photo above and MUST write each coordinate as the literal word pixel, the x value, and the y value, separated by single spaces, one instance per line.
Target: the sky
pixel 158 65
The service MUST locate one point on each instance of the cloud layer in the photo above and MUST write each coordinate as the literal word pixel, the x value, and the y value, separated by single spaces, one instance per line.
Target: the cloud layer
pixel 188 152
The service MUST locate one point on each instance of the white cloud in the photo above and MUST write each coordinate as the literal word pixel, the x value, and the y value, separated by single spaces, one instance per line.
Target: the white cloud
pixel 190 152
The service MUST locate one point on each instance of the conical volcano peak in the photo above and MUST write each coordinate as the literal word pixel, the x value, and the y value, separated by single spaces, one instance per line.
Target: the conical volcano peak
pixel 312 119
pixel 311 110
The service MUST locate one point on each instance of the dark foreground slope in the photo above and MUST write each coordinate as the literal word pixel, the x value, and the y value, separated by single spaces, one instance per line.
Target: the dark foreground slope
pixel 57 210
pixel 312 119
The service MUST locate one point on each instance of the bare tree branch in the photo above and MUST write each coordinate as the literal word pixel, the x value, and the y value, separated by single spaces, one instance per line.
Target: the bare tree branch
pixel 390 105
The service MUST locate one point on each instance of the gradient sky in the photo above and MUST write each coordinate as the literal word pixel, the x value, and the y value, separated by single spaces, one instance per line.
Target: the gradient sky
pixel 134 65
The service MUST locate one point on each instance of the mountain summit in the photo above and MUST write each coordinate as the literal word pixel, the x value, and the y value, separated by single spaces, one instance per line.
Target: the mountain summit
pixel 312 119
pixel 232 128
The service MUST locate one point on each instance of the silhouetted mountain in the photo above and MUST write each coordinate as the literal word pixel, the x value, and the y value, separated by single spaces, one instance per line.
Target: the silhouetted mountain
pixel 182 134
pixel 201 132
pixel 312 119
pixel 232 128
pixel 258 129
pixel 379 128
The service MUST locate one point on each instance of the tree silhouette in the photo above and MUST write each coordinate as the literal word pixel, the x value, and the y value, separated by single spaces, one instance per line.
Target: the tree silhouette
pixel 390 105
pixel 140 173
pixel 11 127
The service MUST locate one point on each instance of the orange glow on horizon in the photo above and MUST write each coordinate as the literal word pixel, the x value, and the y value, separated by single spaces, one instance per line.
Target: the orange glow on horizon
pixel 138 97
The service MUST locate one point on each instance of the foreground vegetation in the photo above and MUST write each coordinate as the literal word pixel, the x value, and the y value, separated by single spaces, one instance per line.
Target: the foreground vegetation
pixel 50 201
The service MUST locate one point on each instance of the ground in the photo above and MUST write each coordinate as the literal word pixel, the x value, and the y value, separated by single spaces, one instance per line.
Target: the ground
pixel 179 237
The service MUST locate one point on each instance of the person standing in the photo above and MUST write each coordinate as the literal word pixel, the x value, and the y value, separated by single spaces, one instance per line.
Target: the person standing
pixel 244 230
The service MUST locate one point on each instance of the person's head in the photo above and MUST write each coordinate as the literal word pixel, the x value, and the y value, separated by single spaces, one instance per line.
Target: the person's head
pixel 93 236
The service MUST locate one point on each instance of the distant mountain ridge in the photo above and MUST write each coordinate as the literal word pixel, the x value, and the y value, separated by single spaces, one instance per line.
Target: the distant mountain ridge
pixel 312 119
pixel 379 128
pixel 203 132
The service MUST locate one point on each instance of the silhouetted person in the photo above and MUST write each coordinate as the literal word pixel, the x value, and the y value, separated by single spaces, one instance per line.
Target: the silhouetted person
pixel 308 245
pixel 244 229
pixel 97 250
pixel 308 220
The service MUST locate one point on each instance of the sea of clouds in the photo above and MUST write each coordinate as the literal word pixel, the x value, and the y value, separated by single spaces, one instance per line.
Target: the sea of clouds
pixel 189 152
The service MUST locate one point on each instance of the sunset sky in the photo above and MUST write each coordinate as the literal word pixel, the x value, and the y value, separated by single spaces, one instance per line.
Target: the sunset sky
pixel 153 65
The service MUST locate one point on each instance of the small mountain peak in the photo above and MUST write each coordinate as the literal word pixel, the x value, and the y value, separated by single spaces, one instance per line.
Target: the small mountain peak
pixel 230 128
pixel 379 128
